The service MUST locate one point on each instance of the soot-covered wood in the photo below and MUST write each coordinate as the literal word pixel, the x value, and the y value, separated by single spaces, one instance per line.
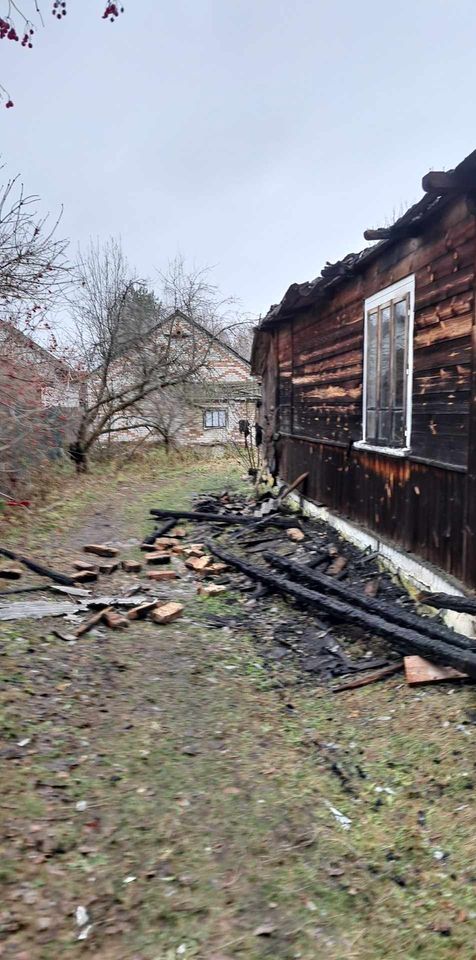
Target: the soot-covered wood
pixel 403 639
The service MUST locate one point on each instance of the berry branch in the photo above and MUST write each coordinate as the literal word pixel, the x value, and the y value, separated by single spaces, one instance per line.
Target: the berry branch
pixel 18 28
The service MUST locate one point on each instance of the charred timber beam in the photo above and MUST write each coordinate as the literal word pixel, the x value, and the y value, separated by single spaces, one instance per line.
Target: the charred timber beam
pixel 406 641
pixel 38 568
pixel 380 608
pixel 445 601
pixel 395 233
pixel 227 518
pixel 199 516
pixel 160 532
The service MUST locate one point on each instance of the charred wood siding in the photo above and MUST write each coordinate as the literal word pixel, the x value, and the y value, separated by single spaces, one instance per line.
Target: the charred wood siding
pixel 417 506
pixel 418 501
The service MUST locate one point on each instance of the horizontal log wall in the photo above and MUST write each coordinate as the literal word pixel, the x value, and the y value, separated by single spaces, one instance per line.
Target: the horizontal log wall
pixel 417 501
pixel 417 506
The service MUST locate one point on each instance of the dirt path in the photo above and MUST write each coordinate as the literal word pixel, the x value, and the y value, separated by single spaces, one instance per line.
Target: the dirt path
pixel 189 807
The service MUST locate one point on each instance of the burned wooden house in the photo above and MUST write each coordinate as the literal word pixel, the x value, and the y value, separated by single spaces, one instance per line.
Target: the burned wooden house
pixel 369 380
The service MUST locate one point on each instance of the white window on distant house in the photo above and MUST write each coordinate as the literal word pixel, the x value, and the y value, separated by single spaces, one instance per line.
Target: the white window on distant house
pixel 214 418
pixel 388 361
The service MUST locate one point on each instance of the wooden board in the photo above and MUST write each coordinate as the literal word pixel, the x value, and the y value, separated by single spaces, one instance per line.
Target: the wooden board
pixel 418 670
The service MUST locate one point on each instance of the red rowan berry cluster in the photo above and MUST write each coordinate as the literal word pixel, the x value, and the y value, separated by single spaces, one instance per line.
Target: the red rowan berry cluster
pixel 58 8
pixel 112 12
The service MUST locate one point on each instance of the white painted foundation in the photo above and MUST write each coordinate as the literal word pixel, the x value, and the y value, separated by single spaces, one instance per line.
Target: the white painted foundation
pixel 416 572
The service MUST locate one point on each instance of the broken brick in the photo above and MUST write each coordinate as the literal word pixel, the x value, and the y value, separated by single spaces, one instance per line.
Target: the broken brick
pixel 85 565
pixel 337 566
pixel 108 567
pixel 180 532
pixel 167 612
pixel 101 550
pixel 210 590
pixel 85 576
pixel 131 566
pixel 198 563
pixel 294 533
pixel 141 611
pixel 114 620
pixel 215 569
pixel 158 557
pixel 161 575
pixel 165 542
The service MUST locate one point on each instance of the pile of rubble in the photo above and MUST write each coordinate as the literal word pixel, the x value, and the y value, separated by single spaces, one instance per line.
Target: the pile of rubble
pixel 337 597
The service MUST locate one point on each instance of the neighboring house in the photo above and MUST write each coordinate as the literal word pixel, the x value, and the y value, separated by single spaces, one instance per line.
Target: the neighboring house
pixel 39 398
pixel 369 379
pixel 31 376
pixel 208 409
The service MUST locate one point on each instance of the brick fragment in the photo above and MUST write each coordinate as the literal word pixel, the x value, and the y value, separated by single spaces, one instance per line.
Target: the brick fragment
pixel 295 534
pixel 210 589
pixel 158 557
pixel 160 576
pixel 198 563
pixel 141 611
pixel 108 568
pixel 85 565
pixel 215 569
pixel 131 566
pixel 85 576
pixel 167 612
pixel 165 542
pixel 101 550
pixel 114 620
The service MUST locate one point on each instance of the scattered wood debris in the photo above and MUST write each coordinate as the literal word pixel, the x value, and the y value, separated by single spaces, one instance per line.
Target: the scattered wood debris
pixel 446 601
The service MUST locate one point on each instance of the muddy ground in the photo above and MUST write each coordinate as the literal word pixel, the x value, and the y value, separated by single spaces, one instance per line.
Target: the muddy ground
pixel 181 792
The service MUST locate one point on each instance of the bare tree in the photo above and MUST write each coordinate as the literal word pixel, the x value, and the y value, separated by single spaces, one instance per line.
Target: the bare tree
pixel 130 343
pixel 33 274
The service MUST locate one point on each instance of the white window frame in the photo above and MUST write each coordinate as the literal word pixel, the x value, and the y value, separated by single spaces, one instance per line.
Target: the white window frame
pixel 213 411
pixel 405 287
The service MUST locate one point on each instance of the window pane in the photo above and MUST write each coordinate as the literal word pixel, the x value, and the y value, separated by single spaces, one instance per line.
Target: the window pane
pixel 384 425
pixel 372 359
pixel 398 434
pixel 401 312
pixel 208 418
pixel 371 431
pixel 385 362
pixel 221 418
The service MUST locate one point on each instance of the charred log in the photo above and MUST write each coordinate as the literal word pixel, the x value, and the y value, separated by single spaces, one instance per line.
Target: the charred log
pixel 445 601
pixel 380 608
pixel 405 640
pixel 38 568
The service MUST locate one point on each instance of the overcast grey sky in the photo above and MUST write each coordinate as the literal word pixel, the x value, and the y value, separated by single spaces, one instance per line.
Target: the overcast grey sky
pixel 259 136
